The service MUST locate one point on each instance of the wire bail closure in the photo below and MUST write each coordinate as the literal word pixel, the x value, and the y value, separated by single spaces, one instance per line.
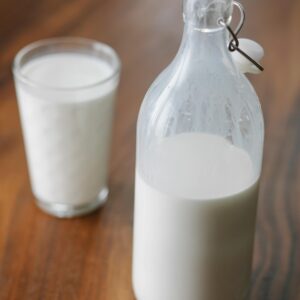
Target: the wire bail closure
pixel 234 43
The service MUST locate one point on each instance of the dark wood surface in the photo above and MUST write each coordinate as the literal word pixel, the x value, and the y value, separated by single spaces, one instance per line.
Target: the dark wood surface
pixel 90 258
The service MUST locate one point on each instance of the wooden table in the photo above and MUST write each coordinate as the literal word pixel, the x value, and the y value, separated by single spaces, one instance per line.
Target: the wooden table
pixel 90 258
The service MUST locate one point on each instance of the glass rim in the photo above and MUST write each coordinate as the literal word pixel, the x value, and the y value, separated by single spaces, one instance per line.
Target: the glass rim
pixel 96 46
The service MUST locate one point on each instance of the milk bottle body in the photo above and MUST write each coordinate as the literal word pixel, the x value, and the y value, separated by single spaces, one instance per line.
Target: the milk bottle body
pixel 200 138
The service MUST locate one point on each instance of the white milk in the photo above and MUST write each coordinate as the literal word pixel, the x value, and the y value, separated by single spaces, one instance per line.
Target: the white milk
pixel 67 132
pixel 194 223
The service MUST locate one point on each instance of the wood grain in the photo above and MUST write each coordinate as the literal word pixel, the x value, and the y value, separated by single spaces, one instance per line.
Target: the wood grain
pixel 90 258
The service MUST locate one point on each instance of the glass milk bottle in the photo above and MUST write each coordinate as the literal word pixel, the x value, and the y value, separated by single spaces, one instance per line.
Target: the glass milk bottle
pixel 199 152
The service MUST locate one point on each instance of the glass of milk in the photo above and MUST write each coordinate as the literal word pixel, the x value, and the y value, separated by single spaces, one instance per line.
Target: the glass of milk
pixel 66 90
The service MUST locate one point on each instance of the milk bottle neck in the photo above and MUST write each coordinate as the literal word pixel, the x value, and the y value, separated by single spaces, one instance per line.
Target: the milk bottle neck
pixel 204 15
pixel 202 51
pixel 196 41
pixel 204 40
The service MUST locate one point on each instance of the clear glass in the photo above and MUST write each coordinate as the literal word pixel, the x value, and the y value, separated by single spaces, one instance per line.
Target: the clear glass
pixel 200 125
pixel 67 127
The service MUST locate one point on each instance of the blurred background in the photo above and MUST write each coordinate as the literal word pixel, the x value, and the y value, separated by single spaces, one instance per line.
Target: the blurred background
pixel 90 258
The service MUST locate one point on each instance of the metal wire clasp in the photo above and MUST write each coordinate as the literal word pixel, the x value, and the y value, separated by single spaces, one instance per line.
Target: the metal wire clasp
pixel 234 43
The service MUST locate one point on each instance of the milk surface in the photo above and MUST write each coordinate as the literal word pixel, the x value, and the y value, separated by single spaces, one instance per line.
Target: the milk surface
pixel 194 221
pixel 67 70
pixel 67 132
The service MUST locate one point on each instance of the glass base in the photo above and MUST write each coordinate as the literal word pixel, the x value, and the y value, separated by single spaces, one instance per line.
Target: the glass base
pixel 70 211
